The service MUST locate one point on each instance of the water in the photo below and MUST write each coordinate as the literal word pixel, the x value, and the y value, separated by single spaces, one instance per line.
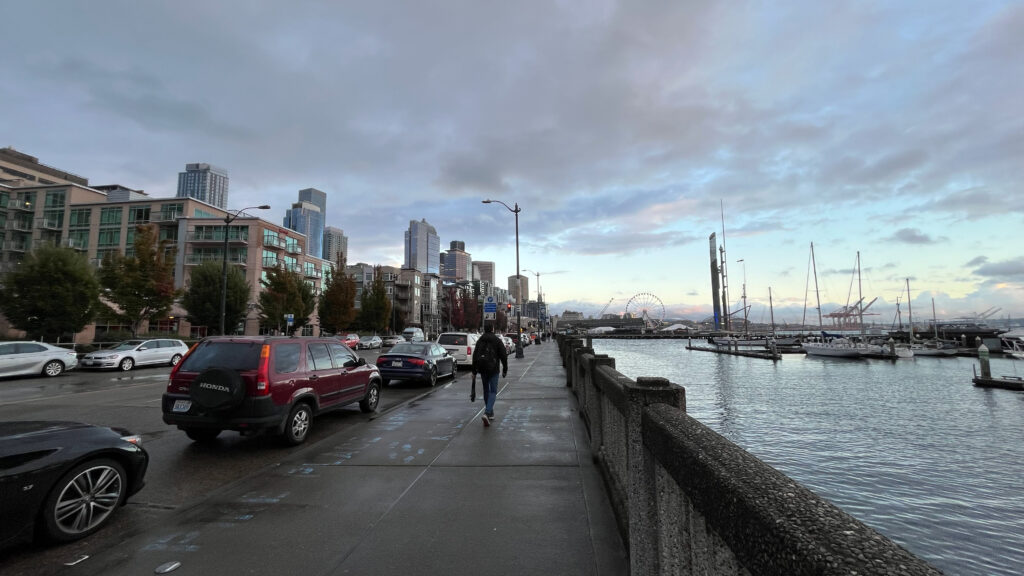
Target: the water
pixel 910 448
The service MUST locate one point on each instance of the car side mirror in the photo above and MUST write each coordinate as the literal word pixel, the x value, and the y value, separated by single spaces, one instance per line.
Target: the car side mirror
pixel 361 362
pixel 141 348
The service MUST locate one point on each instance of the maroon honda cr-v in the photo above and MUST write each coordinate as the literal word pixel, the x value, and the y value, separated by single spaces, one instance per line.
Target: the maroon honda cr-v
pixel 265 384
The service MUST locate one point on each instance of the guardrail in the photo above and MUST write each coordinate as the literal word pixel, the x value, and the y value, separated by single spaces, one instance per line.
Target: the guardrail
pixel 689 501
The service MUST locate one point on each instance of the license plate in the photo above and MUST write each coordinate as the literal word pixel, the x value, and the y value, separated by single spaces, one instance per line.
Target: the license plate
pixel 181 406
pixel 396 363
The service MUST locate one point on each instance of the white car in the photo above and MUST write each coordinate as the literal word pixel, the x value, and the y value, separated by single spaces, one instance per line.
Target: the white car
pixel 460 345
pixel 132 353
pixel 17 358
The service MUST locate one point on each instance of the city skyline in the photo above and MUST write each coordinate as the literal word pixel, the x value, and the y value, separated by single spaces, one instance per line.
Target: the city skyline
pixel 627 135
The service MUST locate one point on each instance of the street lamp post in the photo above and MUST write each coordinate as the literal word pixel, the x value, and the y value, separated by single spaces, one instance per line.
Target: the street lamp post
pixel 228 219
pixel 519 284
pixel 540 300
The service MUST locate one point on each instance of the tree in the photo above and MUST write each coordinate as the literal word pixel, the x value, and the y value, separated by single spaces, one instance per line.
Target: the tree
pixel 139 287
pixel 376 307
pixel 52 292
pixel 470 310
pixel 202 296
pixel 285 292
pixel 337 306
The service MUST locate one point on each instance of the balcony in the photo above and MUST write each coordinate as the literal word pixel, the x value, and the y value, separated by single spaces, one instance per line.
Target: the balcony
pixel 293 248
pixel 270 262
pixel 292 267
pixel 165 218
pixel 15 246
pixel 21 205
pixel 216 237
pixel 313 273
pixel 49 223
pixel 19 225
pixel 194 259
pixel 273 242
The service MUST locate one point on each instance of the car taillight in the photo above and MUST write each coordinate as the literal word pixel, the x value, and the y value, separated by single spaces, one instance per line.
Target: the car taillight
pixel 170 379
pixel 416 361
pixel 469 350
pixel 263 372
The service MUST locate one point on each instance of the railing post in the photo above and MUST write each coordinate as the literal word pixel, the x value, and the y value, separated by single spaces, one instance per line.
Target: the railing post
pixel 641 487
pixel 590 403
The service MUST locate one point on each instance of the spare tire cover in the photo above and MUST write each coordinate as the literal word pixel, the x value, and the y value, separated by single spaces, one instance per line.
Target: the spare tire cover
pixel 217 389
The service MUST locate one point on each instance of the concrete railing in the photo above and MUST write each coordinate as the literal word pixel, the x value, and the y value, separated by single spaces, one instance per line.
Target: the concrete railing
pixel 689 501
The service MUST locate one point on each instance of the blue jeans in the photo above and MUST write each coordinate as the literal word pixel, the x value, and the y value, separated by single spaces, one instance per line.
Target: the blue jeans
pixel 489 383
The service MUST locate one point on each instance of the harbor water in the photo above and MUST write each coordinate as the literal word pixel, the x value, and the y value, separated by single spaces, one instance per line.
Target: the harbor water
pixel 910 448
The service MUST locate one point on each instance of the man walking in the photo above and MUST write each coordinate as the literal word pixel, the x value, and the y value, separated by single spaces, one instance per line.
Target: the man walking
pixel 489 357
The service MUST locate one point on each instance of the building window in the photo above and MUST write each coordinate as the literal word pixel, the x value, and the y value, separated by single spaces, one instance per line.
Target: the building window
pixel 171 211
pixel 138 214
pixel 80 217
pixel 109 238
pixel 78 239
pixel 55 199
pixel 111 216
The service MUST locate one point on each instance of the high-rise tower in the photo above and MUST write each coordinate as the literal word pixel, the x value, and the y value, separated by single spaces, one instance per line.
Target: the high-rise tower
pixel 204 182
pixel 422 248
pixel 307 217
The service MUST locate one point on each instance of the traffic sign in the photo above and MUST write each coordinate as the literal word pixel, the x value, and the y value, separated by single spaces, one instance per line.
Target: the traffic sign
pixel 490 307
pixel 489 315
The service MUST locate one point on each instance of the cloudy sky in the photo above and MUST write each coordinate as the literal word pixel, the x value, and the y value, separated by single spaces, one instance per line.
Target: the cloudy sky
pixel 625 131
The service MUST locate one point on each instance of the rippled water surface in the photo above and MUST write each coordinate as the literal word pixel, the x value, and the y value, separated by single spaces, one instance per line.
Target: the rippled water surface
pixel 910 448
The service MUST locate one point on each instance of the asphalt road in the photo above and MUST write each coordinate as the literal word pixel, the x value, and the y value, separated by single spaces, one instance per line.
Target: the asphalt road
pixel 181 473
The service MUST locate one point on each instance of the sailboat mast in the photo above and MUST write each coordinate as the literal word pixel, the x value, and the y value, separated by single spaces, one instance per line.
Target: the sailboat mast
pixel 726 314
pixel 935 323
pixel 910 312
pixel 817 297
pixel 771 310
pixel 860 297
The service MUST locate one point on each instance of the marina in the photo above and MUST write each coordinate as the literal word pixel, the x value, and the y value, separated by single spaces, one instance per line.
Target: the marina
pixel 906 447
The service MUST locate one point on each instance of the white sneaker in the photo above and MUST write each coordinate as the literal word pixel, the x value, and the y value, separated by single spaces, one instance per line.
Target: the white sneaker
pixel 487 421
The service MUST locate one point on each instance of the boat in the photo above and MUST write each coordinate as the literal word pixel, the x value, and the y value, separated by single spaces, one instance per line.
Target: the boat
pixel 832 346
pixel 1014 348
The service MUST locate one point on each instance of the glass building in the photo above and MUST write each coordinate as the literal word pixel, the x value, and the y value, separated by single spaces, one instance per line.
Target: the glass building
pixel 422 248
pixel 204 182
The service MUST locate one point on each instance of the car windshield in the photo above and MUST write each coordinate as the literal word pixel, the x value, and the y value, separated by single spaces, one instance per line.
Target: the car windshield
pixel 128 345
pixel 452 339
pixel 407 348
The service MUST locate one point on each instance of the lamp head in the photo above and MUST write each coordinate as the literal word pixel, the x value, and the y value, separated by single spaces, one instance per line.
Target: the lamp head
pixel 264 207
pixel 486 201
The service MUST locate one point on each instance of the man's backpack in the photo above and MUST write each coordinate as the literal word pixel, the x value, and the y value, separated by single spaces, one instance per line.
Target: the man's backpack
pixel 486 357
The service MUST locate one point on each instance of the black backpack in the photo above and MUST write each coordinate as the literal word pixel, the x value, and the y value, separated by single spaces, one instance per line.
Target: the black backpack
pixel 486 359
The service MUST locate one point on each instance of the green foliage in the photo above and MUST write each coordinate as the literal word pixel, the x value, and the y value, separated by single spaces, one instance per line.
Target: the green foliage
pixel 202 296
pixel 337 303
pixel 53 291
pixel 285 292
pixel 139 287
pixel 375 312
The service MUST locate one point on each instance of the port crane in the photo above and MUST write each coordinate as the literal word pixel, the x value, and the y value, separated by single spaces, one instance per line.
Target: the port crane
pixel 605 309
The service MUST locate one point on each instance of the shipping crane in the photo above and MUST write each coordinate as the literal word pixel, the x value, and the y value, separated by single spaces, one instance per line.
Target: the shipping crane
pixel 603 310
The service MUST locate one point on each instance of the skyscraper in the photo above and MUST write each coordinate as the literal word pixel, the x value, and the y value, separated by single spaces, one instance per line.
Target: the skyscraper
pixel 307 217
pixel 483 270
pixel 458 265
pixel 335 244
pixel 524 289
pixel 422 248
pixel 204 182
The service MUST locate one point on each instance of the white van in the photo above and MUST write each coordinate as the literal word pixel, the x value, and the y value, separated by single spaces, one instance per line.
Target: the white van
pixel 413 335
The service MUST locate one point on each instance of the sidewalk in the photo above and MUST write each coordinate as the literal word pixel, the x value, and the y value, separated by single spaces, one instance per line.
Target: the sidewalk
pixel 422 489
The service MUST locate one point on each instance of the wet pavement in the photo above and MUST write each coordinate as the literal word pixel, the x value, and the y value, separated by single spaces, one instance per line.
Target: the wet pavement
pixel 423 488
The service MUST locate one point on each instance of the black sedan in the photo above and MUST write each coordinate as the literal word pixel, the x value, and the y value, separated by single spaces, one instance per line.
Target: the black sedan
pixel 416 360
pixel 64 480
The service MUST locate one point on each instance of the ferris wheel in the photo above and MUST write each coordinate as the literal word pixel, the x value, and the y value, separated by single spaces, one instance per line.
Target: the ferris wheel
pixel 647 307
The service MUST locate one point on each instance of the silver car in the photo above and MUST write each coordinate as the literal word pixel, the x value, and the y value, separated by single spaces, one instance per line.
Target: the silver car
pixel 18 358
pixel 132 353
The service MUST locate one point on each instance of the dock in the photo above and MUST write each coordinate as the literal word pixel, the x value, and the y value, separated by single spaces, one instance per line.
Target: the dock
pixel 734 352
pixel 1004 383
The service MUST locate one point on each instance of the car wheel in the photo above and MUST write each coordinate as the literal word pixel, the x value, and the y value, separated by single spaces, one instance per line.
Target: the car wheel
pixel 175 359
pixel 83 500
pixel 126 364
pixel 217 389
pixel 53 368
pixel 369 402
pixel 299 421
pixel 454 370
pixel 432 379
pixel 202 434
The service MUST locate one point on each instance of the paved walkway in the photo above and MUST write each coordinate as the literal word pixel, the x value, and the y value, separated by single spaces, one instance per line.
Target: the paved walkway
pixel 422 489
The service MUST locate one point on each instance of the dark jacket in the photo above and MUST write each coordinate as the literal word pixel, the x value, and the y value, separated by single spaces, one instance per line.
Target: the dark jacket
pixel 489 339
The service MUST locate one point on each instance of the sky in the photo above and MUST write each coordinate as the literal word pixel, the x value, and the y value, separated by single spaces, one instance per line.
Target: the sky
pixel 626 132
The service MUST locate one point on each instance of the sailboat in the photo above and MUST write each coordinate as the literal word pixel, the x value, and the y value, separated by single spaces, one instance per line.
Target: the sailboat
pixel 933 347
pixel 836 347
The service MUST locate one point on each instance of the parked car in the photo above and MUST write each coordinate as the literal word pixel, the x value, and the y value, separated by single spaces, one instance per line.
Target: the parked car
pixel 416 360
pixel 132 353
pixel 460 345
pixel 509 345
pixel 351 340
pixel 369 342
pixel 266 384
pixel 389 341
pixel 413 335
pixel 64 480
pixel 18 358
